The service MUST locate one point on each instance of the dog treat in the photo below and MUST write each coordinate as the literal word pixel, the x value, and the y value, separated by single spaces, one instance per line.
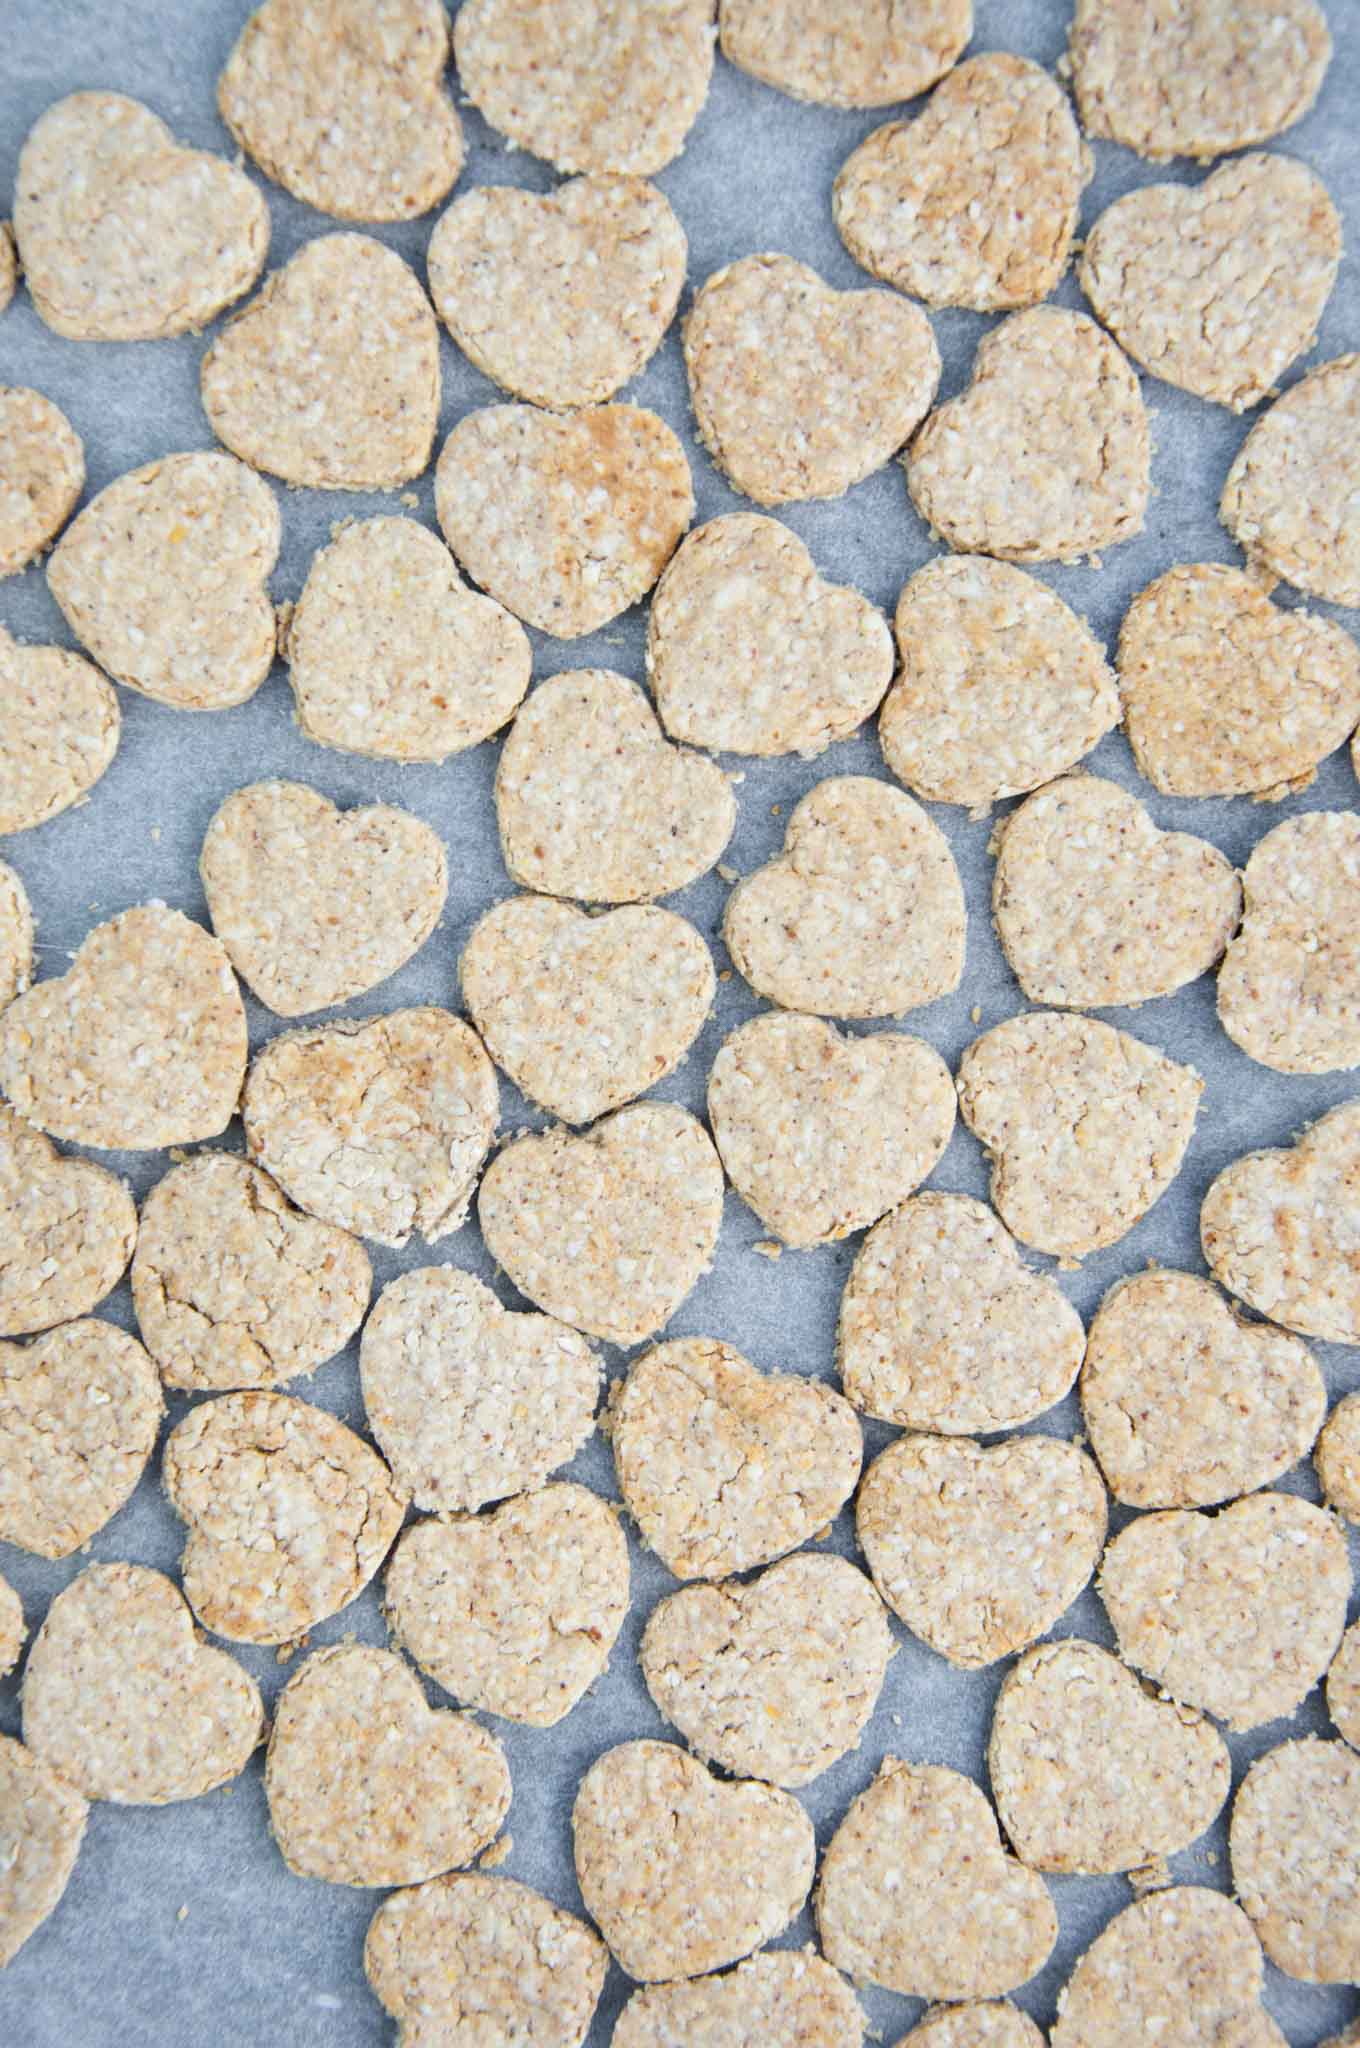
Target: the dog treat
pixel 1046 456
pixel 330 376
pixel 997 2024
pixel 779 1995
pixel 124 1700
pixel 79 1412
pixel 1290 495
pixel 1295 1847
pixel 390 653
pixel 41 1824
pixel 1177 1586
pixel 9 265
pixel 16 940
pixel 67 1228
pixel 42 473
pixel 1337 1458
pixel 819 50
pixel 800 391
pixel 12 1633
pixel 1289 987
pixel 974 202
pixel 821 1134
pixel 59 724
pixel 1181 1965
pixel 1343 1686
pixel 1278 1228
pixel 377 1126
pixel 265 1473
pixel 124 234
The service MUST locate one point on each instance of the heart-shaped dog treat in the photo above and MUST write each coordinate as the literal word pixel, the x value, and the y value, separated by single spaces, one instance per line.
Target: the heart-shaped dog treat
pixel 469 1401
pixel 724 1467
pixel 12 1632
pixel 330 376
pixel 1280 1229
pixel 123 1699
pixel 1182 1965
pixel 1337 1458
pixel 59 725
pixel 1295 1847
pixel 41 1823
pixel 566 520
pixel 42 473
pixel 141 1043
pixel 1046 456
pixel 862 913
pixel 980 1550
pixel 821 1134
pixel 944 1328
pixel 974 203
pixel 367 1785
pixel 164 577
pixel 1187 1403
pixel 1237 1613
pixel 67 1228
pixel 1290 498
pixel 1092 1774
pixel 683 1872
pixel 258 1475
pixel 379 1127
pixel 514 1612
pixel 820 50
pixel 314 905
pixel 798 390
pixel 1289 987
pixel 1225 694
pixel 79 1412
pixel 593 802
pixel 390 653
pixel 776 1678
pixel 345 105
pixel 124 234
pixel 1086 1126
pixel 1093 905
pixel 584 1012
pixel 609 1230
pixel 16 937
pixel 234 1287
pixel 780 1995
pixel 749 651
pixel 560 296
pixel 917 1893
pixel 995 2024
pixel 1343 1686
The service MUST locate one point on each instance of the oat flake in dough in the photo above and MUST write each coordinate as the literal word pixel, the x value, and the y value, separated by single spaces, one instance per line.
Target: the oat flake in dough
pixel 1181 1966
pixel 59 726
pixel 42 1822
pixel 845 57
pixel 67 1228
pixel 1295 1848
pixel 1292 498
pixel 1289 987
pixel 780 1995
pixel 1280 1228
pixel 42 473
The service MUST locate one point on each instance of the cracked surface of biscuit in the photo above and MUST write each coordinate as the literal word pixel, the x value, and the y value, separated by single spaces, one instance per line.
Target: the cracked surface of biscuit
pixel 1289 985
pixel 42 473
pixel 79 1412
pixel 1289 501
pixel 1295 1848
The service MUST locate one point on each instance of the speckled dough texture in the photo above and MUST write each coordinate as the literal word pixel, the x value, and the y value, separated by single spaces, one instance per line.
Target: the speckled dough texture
pixel 1343 1686
pixel 12 1632
pixel 998 2024
pixel 1295 1847
pixel 1182 1965
pixel 16 936
pixel 67 1228
pixel 820 50
pixel 1337 1458
pixel 79 1412
pixel 42 473
pixel 1280 1228
pixel 59 724
pixel 1289 988
pixel 1291 498
pixel 41 1824
pixel 780 1995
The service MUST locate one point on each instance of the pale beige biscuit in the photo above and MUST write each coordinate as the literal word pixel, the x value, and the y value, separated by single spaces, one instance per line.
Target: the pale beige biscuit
pixel 592 801
pixel 1217 287
pixel 562 296
pixel 467 1961
pixel 345 105
pixel 1180 1966
pixel 608 1230
pixel 59 725
pixel 41 1824
pixel 124 1700
pixel 918 1894
pixel 316 905
pixel 822 1134
pixel 79 1412
pixel 1225 694
pixel 378 1126
pixel 367 1785
pixel 1343 1686
pixel 1094 906
pixel 566 519
pixel 12 1630
pixel 1280 1228
pixel 1001 688
pixel 1046 456
pixel 289 1514
pixel 681 1871
pixel 944 1328
pixel 164 578
pixel 1337 1458
pixel 1290 501
pixel 330 376
pixel 774 1678
pixel 9 265
pixel 1238 1613
pixel 514 1612
pixel 980 1550
pixel 67 1228
pixel 750 651
pixel 997 2024
pixel 124 234
pixel 1187 1403
pixel 233 1286
pixel 390 653
pixel 42 473
pixel 974 202
pixel 860 915
pixel 583 1013
pixel 1289 985
pixel 16 936
pixel 1295 1848
pixel 779 1995
pixel 141 1043
pixel 845 57
pixel 798 390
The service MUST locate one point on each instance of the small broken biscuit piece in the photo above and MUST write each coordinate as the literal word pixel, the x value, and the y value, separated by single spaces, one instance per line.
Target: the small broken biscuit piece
pixel 1182 1965
pixel 330 376
pixel 1289 985
pixel 780 1995
pixel 41 1824
pixel 681 1871
pixel 67 1228
pixel 1279 1229
pixel 1343 1686
pixel 265 1474
pixel 42 473
pixel 79 1412
pixel 918 1894
pixel 59 725
pixel 1337 1458
pixel 1295 1848
pixel 1046 457
pixel 800 391
pixel 12 1633
pixel 997 2024
pixel 16 942
pixel 724 1467
pixel 821 50
pixel 1289 501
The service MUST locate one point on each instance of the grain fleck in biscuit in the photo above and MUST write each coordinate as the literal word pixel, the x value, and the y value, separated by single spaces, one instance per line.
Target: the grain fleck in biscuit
pixel 996 2024
pixel 42 473
pixel 1291 495
pixel 724 1467
pixel 41 1824
pixel 918 1894
pixel 779 1995
pixel 330 376
pixel 1046 456
pixel 1337 1458
pixel 16 936
pixel 260 1476
pixel 67 1228
pixel 845 57
pixel 1289 986
pixel 800 391
pixel 59 725
pixel 1343 1686
pixel 1279 1228
pixel 79 1412
pixel 1295 1848
pixel 683 1872
pixel 560 296
pixel 1182 1965
pixel 12 1632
